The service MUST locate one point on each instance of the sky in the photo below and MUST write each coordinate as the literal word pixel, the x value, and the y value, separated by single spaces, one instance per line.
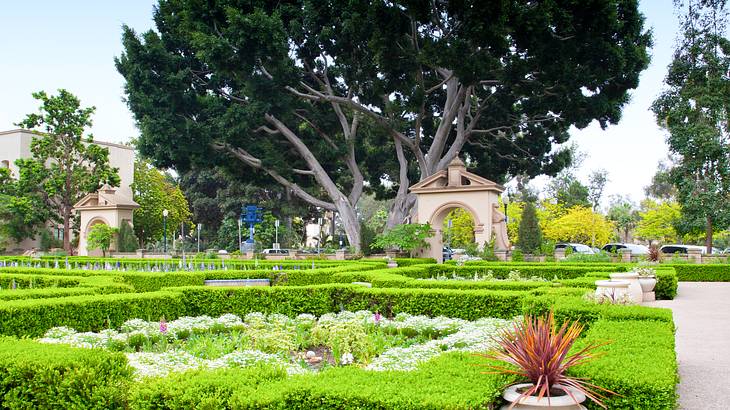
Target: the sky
pixel 47 45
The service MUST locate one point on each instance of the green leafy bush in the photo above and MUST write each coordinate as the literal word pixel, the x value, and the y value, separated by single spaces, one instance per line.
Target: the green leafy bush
pixel 638 363
pixel 40 376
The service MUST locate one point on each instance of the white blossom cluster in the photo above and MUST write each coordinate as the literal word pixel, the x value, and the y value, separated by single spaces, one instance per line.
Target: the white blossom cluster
pixel 447 334
pixel 474 336
pixel 175 361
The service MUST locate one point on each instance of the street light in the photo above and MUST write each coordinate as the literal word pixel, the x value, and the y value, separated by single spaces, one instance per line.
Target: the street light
pixel 319 234
pixel 276 240
pixel 165 212
pixel 199 227
pixel 240 247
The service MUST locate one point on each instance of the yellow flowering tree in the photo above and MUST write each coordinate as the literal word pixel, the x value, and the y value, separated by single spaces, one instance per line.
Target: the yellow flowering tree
pixel 461 233
pixel 658 220
pixel 580 224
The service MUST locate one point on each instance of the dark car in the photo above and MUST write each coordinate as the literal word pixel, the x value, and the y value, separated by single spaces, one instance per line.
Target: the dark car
pixel 635 249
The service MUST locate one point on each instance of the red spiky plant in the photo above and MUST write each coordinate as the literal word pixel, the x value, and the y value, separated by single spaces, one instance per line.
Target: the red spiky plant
pixel 540 353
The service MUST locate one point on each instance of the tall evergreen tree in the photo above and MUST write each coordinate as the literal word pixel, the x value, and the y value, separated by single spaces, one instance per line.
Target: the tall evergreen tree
pixel 694 109
pixel 530 234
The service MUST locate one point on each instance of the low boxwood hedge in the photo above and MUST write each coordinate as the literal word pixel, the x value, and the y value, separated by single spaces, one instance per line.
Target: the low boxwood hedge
pixel 638 363
pixel 451 381
pixel 42 376
pixel 33 317
pixel 702 273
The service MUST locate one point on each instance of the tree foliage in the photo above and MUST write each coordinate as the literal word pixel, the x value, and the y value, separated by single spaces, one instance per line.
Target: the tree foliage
pixel 65 165
pixel 320 97
pixel 154 193
pixel 658 221
pixel 461 232
pixel 695 110
pixel 580 224
pixel 406 237
pixel 215 195
pixel 530 232
pixel 100 237
pixel 624 216
pixel 127 241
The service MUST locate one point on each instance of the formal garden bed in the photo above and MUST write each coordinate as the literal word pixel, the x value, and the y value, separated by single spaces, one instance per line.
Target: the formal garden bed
pixel 312 339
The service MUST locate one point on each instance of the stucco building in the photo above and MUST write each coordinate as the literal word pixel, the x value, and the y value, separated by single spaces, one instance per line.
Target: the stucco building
pixel 15 144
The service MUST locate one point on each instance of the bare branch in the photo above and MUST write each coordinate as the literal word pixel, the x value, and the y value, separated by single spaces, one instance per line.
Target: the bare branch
pixel 256 163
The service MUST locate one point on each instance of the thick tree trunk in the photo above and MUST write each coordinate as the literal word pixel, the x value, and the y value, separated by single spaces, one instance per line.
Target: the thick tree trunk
pixel 350 223
pixel 67 230
pixel 403 208
pixel 708 235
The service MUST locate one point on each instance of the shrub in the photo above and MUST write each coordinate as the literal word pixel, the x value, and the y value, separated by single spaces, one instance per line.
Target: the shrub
pixel 128 241
pixel 639 363
pixel 530 234
pixel 406 237
pixel 702 273
pixel 35 375
pixel 33 317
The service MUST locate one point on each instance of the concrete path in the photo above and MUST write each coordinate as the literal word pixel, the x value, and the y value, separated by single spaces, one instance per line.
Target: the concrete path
pixel 702 316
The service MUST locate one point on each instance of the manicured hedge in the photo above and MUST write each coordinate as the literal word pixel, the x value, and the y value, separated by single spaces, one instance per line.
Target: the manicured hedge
pixel 37 281
pixel 639 363
pixel 702 273
pixel 666 284
pixel 41 376
pixel 546 270
pixel 575 308
pixel 32 317
pixel 451 381
pixel 44 293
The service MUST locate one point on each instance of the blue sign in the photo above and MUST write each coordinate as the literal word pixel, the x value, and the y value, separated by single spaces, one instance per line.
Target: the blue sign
pixel 251 215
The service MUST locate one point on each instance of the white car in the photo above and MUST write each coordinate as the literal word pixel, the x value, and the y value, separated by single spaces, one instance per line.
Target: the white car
pixel 576 247
pixel 284 252
pixel 635 248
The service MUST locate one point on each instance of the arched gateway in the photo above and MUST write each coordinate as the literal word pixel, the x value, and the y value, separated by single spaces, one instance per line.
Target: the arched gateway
pixel 105 206
pixel 453 188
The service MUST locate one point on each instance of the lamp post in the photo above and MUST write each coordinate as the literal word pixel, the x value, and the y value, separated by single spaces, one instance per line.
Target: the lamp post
pixel 199 227
pixel 182 241
pixel 240 247
pixel 165 212
pixel 276 237
pixel 319 234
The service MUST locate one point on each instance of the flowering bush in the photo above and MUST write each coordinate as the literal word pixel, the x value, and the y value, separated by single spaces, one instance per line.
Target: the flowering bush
pixel 362 338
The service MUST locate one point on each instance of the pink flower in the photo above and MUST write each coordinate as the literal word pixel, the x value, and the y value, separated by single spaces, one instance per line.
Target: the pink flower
pixel 163 326
pixel 377 317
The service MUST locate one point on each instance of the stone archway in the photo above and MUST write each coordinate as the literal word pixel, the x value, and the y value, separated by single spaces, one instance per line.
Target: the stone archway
pixel 454 188
pixel 85 234
pixel 104 206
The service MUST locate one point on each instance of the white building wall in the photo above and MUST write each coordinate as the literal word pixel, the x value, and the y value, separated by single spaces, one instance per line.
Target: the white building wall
pixel 15 144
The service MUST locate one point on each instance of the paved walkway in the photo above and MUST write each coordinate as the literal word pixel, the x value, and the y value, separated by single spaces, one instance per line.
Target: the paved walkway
pixel 702 316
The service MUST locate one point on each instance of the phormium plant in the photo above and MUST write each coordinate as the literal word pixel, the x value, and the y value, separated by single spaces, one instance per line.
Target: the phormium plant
pixel 539 352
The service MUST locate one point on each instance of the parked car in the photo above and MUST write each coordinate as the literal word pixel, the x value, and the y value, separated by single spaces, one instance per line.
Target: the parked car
pixel 447 253
pixel 576 247
pixel 678 248
pixel 284 252
pixel 635 249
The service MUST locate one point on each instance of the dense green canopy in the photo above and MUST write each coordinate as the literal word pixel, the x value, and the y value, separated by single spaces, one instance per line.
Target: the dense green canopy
pixel 322 96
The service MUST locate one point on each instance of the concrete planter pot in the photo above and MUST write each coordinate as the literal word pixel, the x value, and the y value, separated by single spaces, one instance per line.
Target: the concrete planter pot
pixel 614 291
pixel 647 283
pixel 635 292
pixel 565 402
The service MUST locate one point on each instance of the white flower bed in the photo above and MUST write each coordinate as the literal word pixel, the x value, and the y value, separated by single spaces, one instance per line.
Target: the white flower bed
pixel 443 334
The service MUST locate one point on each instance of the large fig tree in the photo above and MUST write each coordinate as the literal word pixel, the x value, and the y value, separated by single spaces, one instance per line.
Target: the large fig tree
pixel 332 98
